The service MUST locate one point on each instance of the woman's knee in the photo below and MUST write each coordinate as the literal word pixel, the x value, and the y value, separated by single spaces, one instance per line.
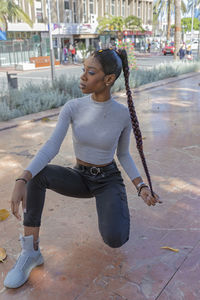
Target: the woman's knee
pixel 116 240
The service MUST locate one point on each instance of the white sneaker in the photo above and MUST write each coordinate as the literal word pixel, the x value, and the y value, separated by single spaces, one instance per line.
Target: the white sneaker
pixel 28 259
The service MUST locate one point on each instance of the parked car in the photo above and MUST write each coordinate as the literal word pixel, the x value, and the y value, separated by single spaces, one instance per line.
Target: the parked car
pixel 168 49
pixel 194 45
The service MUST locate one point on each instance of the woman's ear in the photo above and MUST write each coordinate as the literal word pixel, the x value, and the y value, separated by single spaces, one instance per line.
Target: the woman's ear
pixel 109 79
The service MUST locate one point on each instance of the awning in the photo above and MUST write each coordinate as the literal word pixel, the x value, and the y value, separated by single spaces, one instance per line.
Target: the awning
pixel 85 36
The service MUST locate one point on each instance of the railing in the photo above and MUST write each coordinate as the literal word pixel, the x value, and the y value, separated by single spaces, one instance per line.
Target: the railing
pixel 17 52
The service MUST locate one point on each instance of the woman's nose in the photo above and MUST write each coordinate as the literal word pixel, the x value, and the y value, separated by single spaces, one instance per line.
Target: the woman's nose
pixel 83 76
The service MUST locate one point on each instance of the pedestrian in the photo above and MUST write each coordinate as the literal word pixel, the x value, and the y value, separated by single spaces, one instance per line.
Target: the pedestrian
pixel 70 51
pixel 149 47
pixel 100 126
pixel 182 52
pixel 65 53
pixel 189 52
pixel 73 52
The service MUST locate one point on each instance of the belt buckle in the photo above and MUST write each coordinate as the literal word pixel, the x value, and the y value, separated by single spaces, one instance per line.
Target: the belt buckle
pixel 95 171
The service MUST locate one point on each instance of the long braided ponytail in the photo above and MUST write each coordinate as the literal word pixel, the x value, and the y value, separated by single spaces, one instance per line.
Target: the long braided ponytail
pixel 135 123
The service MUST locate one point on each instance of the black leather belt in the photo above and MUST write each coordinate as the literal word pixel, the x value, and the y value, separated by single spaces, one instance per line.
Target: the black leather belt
pixel 96 170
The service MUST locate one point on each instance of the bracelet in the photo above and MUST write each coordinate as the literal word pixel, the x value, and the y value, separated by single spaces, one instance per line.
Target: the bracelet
pixel 140 186
pixel 23 179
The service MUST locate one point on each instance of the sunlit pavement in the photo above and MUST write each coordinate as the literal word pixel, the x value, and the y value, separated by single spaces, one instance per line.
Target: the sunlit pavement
pixel 78 266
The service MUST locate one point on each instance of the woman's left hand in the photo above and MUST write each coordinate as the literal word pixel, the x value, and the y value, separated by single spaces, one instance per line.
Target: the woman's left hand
pixel 145 194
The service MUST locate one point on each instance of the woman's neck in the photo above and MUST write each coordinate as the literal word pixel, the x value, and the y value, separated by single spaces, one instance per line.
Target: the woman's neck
pixel 101 97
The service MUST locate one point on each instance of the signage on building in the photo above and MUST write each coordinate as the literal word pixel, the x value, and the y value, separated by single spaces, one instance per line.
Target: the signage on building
pixel 2 35
pixel 137 32
pixel 72 28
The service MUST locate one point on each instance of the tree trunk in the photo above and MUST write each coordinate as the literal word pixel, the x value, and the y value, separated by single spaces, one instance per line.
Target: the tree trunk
pixel 168 19
pixel 177 27
pixel 5 23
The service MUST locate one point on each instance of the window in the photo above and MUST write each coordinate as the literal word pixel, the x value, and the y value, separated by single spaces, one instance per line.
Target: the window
pixel 84 12
pixel 66 4
pixel 147 10
pixel 118 7
pixel 74 12
pixel 91 4
pixel 123 8
pixel 135 8
pixel 106 7
pixel 113 7
pixel 39 15
pixel 139 10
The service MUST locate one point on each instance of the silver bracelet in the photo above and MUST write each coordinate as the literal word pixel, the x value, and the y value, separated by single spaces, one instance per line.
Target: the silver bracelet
pixel 140 186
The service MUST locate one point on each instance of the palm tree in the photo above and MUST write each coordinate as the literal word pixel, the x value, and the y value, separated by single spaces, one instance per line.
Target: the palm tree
pixel 133 23
pixel 177 27
pixel 162 6
pixel 9 9
pixel 118 24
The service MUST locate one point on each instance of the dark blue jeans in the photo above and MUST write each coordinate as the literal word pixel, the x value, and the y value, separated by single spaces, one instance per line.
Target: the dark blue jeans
pixel 81 182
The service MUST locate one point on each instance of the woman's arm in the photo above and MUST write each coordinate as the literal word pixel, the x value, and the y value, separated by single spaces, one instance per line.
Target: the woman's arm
pixel 52 146
pixel 130 168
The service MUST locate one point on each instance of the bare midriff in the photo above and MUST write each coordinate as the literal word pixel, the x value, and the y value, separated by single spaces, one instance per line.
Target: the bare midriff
pixel 80 162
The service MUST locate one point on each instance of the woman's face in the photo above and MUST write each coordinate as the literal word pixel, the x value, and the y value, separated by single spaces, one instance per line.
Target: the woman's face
pixel 93 78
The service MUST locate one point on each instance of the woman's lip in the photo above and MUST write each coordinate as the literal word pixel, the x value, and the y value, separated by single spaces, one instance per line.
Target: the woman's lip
pixel 82 86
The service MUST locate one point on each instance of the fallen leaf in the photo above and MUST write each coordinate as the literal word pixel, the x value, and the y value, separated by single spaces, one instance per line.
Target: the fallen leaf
pixel 144 137
pixel 45 119
pixel 2 254
pixel 4 213
pixel 169 248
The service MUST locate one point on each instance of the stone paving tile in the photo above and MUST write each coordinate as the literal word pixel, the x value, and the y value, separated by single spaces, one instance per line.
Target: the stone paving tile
pixel 185 284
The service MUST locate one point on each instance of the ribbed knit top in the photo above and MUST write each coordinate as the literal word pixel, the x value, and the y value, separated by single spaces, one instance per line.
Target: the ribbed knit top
pixel 99 129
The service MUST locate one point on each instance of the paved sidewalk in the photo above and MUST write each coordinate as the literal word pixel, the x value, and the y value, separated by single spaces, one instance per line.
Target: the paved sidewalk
pixel 78 266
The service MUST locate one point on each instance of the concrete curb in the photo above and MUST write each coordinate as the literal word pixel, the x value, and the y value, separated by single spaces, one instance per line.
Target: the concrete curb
pixel 13 123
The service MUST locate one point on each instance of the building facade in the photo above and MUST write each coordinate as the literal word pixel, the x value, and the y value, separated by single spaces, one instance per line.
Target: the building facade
pixel 75 20
pixel 73 17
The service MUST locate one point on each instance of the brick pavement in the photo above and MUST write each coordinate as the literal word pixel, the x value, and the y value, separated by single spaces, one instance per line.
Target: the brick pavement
pixel 78 266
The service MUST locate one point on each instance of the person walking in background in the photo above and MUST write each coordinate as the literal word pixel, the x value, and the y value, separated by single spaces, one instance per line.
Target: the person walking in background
pixel 65 53
pixel 100 127
pixel 182 52
pixel 149 47
pixel 189 52
pixel 73 52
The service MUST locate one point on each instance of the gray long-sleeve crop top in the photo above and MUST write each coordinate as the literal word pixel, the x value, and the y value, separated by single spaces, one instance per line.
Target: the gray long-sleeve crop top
pixel 98 129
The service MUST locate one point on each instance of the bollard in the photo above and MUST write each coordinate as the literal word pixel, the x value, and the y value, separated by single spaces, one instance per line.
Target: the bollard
pixel 12 81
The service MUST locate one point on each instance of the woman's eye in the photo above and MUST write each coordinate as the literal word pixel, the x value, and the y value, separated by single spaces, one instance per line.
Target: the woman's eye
pixel 91 72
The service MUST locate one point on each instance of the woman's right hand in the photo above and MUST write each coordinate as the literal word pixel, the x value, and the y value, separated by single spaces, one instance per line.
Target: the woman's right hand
pixel 18 196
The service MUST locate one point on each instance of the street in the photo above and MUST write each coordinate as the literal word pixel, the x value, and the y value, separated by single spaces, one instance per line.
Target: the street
pixel 39 75
pixel 143 60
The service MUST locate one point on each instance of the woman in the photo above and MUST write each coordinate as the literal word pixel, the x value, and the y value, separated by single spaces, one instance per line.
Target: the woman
pixel 100 125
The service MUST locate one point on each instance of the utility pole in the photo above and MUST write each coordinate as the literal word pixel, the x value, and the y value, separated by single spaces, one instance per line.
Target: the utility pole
pixel 198 53
pixel 51 43
pixel 58 39
pixel 177 27
pixel 191 37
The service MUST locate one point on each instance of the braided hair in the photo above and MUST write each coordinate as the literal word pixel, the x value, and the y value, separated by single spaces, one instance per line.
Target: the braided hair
pixel 113 62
